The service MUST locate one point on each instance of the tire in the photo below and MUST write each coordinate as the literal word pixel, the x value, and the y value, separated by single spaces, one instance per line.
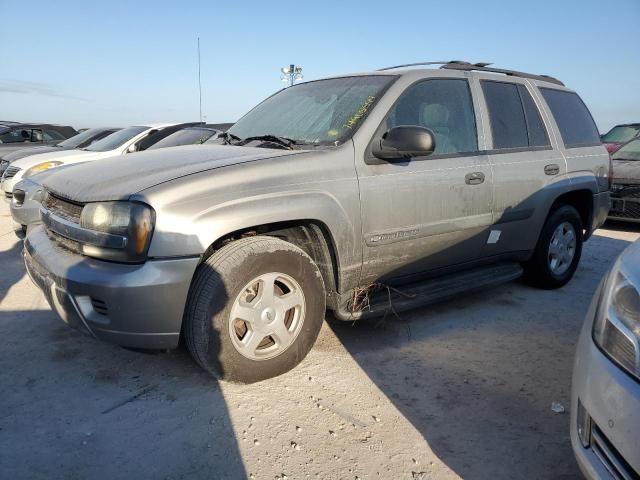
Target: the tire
pixel 236 280
pixel 541 271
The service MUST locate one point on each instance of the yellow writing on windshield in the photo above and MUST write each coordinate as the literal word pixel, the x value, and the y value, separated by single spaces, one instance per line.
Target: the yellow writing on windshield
pixel 360 113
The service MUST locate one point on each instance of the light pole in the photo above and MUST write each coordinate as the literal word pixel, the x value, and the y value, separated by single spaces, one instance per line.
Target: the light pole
pixel 291 74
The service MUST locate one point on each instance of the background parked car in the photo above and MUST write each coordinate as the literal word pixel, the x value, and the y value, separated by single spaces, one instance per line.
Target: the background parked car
pixel 24 135
pixel 27 197
pixel 27 193
pixel 81 140
pixel 619 135
pixel 187 136
pixel 127 140
pixel 605 416
pixel 625 191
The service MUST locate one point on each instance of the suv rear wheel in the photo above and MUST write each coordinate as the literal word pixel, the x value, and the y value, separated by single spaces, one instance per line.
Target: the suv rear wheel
pixel 559 249
pixel 255 309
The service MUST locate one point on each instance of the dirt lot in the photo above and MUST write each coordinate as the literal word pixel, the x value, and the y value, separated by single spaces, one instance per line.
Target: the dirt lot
pixel 462 389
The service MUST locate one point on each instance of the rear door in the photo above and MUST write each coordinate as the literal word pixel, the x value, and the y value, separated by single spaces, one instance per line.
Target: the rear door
pixel 524 157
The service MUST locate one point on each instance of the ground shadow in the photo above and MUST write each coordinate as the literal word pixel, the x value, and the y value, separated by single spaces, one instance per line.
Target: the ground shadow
pixel 620 226
pixel 477 378
pixel 76 407
pixel 11 265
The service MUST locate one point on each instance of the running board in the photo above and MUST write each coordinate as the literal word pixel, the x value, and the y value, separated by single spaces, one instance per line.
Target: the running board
pixel 382 300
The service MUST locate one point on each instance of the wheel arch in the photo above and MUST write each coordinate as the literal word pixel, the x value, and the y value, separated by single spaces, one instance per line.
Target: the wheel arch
pixel 313 221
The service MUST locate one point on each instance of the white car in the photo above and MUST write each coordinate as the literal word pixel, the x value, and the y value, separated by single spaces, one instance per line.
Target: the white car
pixel 127 140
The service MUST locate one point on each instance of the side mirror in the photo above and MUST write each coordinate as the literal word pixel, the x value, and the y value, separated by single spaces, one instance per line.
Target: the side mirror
pixel 404 142
pixel 132 148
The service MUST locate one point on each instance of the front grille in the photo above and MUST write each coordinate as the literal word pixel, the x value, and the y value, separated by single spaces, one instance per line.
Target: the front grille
pixel 10 172
pixel 63 208
pixel 64 242
pixel 625 191
pixel 615 463
pixel 625 209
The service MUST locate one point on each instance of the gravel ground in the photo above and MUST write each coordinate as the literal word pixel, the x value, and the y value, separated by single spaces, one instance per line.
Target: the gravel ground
pixel 461 389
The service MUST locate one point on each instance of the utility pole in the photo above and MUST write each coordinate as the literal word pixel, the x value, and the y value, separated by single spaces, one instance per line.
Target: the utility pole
pixel 199 80
pixel 291 74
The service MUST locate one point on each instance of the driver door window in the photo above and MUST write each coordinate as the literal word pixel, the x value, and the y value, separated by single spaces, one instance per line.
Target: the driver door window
pixel 445 107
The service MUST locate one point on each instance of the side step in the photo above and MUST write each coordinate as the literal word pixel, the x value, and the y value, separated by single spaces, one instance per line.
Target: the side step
pixel 383 300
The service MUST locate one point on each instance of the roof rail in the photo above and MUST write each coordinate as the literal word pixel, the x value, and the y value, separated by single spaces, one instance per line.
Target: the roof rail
pixel 419 64
pixel 479 67
pixel 484 67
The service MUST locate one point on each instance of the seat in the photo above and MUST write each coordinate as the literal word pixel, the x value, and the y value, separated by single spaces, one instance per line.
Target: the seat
pixel 435 117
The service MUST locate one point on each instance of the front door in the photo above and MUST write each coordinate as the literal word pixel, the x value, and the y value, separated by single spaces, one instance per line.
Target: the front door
pixel 434 211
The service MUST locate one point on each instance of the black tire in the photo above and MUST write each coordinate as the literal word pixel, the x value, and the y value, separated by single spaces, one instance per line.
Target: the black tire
pixel 216 285
pixel 538 271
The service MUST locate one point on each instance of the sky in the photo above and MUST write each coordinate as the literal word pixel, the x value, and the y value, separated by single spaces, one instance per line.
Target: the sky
pixel 120 63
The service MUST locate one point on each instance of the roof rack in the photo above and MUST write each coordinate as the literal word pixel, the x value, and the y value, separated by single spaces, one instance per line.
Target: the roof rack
pixel 479 67
pixel 419 64
pixel 484 67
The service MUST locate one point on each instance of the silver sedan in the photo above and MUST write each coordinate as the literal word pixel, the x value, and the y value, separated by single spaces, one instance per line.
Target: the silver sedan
pixel 605 420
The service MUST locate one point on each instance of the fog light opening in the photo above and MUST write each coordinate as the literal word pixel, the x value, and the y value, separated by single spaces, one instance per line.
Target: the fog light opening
pixel 583 421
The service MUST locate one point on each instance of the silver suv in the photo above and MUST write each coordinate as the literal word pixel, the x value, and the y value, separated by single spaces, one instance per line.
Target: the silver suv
pixel 364 194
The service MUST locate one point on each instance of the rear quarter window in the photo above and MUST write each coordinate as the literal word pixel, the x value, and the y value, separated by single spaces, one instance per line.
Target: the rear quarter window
pixel 573 118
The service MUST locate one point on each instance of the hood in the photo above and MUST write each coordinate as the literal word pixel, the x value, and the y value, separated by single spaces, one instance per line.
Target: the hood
pixel 120 177
pixel 26 152
pixel 626 171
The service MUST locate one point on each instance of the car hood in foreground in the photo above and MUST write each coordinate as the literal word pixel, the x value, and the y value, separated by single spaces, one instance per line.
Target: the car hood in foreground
pixel 626 171
pixel 120 177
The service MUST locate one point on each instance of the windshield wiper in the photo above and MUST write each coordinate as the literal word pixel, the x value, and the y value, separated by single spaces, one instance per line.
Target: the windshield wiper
pixel 227 137
pixel 288 143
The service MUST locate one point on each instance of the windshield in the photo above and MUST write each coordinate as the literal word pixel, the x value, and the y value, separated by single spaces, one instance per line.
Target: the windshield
pixel 187 136
pixel 630 151
pixel 80 138
pixel 620 134
pixel 116 139
pixel 322 112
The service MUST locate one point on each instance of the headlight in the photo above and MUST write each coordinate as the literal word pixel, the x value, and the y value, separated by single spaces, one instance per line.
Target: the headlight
pixel 41 167
pixel 127 221
pixel 617 327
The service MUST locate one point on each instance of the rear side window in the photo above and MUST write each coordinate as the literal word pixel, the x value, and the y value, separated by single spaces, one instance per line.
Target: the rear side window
pixel 537 133
pixel 514 117
pixel 573 118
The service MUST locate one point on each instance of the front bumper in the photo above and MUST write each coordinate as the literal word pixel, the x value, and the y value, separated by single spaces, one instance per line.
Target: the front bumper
pixel 611 399
pixel 139 306
pixel 27 211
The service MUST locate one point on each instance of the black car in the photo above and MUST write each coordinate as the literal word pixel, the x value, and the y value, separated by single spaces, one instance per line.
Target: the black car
pixel 23 135
pixel 625 191
pixel 81 140
pixel 193 135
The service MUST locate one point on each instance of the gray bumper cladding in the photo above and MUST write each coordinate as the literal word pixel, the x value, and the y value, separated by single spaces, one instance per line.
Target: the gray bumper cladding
pixel 137 306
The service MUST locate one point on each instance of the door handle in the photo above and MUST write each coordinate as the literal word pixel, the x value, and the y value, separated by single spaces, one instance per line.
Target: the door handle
pixel 475 178
pixel 553 169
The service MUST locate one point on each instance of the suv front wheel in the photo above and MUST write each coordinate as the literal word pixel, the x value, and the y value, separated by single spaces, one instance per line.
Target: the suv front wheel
pixel 255 309
pixel 559 249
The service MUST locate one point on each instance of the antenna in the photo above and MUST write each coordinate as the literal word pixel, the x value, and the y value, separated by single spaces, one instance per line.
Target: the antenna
pixel 199 81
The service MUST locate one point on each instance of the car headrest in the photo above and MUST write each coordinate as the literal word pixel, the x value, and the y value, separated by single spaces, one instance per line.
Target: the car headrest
pixel 435 115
